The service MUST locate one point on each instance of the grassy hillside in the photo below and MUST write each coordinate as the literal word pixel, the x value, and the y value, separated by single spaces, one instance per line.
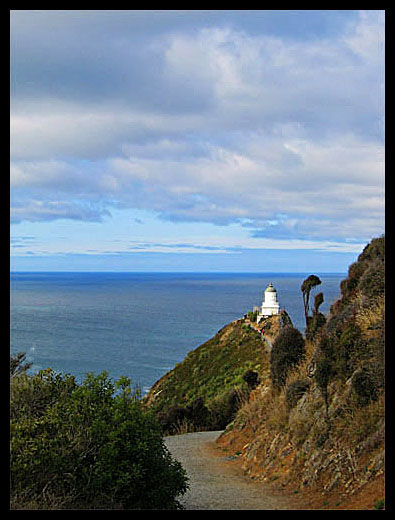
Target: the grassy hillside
pixel 323 428
pixel 212 379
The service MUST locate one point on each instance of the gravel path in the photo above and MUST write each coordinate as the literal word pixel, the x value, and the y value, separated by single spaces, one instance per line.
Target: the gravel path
pixel 264 337
pixel 216 479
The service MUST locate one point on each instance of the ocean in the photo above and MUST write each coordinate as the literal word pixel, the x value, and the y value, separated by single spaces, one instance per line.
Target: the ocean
pixel 138 325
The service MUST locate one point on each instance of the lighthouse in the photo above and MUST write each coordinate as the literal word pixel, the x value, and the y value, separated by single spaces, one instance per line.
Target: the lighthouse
pixel 270 305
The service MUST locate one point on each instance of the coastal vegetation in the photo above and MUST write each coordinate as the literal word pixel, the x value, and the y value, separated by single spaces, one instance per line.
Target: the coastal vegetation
pixel 313 415
pixel 86 446
pixel 204 391
pixel 306 411
pixel 322 428
pixel 288 350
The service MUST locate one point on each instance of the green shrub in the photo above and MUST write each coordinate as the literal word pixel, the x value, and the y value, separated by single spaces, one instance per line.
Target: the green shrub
pixel 314 324
pixel 171 418
pixel 355 271
pixel 367 273
pixel 252 315
pixel 377 349
pixel 323 374
pixel 288 350
pixel 196 414
pixel 251 378
pixel 350 348
pixel 285 320
pixel 324 370
pixel 87 446
pixel 225 406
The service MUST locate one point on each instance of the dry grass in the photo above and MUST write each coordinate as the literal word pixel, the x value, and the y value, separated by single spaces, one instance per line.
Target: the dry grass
pixel 268 406
pixel 356 424
pixel 251 413
pixel 368 318
pixel 278 413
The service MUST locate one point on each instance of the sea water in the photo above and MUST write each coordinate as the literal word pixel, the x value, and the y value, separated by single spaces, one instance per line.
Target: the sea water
pixel 139 325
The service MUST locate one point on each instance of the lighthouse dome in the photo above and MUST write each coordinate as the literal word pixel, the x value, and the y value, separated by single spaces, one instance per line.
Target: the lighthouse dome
pixel 270 288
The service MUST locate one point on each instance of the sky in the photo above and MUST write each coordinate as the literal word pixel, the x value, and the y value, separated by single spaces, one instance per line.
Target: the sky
pixel 201 140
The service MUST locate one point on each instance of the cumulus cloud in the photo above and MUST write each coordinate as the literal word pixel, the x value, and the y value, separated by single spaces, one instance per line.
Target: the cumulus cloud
pixel 213 124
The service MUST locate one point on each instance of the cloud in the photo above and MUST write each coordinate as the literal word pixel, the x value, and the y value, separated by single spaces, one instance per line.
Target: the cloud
pixel 365 39
pixel 201 123
pixel 195 245
pixel 43 211
pixel 325 188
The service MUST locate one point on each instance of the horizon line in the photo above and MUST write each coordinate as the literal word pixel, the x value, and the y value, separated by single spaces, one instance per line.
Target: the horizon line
pixel 172 272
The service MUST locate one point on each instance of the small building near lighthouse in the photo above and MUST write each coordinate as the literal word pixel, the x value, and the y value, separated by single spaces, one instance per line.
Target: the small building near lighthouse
pixel 270 305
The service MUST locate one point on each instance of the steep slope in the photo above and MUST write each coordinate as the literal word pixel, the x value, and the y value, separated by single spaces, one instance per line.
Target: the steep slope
pixel 204 391
pixel 324 429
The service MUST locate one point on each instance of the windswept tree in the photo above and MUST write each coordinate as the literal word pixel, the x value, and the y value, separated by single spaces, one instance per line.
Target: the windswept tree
pixel 308 284
pixel 318 300
pixel 317 320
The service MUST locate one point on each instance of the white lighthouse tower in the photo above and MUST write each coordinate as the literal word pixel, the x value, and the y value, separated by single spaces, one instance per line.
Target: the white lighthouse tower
pixel 270 305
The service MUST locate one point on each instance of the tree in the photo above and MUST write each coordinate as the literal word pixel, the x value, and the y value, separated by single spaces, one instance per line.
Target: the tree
pixel 318 300
pixel 317 320
pixel 307 286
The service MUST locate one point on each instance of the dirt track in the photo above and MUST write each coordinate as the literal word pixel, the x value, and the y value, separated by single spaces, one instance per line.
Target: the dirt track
pixel 217 480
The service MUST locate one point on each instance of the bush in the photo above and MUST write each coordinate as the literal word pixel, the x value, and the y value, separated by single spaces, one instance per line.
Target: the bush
pixel 295 390
pixel 350 349
pixel 288 350
pixel 196 415
pixel 251 378
pixel 285 320
pixel 172 418
pixel 252 315
pixel 323 374
pixel 355 271
pixel 375 249
pixel 377 348
pixel 314 324
pixel 224 408
pixel 364 386
pixel 87 446
pixel 372 282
